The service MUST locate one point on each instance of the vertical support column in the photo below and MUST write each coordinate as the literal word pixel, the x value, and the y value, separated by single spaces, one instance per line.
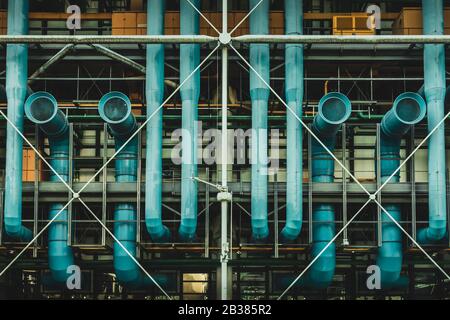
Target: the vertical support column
pixel 36 194
pixel 69 196
pixel 105 178
pixel 275 215
pixel 207 215
pixel 1 216
pixel 138 195
pixel 412 168
pixel 378 177
pixel 224 295
pixel 345 241
pixel 310 191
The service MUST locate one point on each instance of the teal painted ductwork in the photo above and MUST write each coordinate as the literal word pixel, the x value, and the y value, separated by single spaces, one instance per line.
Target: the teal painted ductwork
pixel 259 94
pixel 154 94
pixel 408 109
pixel 334 109
pixel 16 92
pixel 42 109
pixel 434 91
pixel 115 109
pixel 293 10
pixel 190 94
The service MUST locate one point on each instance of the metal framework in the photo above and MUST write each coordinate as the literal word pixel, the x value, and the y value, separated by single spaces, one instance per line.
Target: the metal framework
pixel 226 189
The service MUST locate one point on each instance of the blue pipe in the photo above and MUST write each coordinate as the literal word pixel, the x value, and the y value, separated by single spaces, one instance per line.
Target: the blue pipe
pixel 190 93
pixel 42 109
pixel 154 94
pixel 16 91
pixel 434 68
pixel 259 93
pixel 294 98
pixel 115 109
pixel 334 109
pixel 408 109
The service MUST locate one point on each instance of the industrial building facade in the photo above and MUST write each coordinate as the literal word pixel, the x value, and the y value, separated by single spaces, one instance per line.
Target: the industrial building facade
pixel 188 149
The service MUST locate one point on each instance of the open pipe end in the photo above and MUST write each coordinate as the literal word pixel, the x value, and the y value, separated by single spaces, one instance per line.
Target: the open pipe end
pixel 41 107
pixel 114 107
pixel 335 108
pixel 410 108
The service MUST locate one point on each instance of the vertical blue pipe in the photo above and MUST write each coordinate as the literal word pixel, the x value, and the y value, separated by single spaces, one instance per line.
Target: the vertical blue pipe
pixel 334 109
pixel 294 98
pixel 190 93
pixel 434 68
pixel 42 109
pixel 408 109
pixel 16 90
pixel 155 95
pixel 115 109
pixel 259 93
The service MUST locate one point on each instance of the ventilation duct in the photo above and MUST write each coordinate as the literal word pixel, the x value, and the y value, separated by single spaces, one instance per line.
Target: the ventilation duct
pixel 408 109
pixel 190 93
pixel 154 95
pixel 259 93
pixel 42 109
pixel 294 98
pixel 16 92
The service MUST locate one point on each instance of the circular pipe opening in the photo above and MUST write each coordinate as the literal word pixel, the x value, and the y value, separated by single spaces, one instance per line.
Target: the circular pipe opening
pixel 335 108
pixel 410 108
pixel 114 107
pixel 41 107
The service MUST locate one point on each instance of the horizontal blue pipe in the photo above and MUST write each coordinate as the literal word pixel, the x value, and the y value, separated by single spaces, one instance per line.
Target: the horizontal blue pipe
pixel 408 109
pixel 42 109
pixel 334 109
pixel 16 91
pixel 259 93
pixel 154 94
pixel 294 99
pixel 190 94
pixel 434 91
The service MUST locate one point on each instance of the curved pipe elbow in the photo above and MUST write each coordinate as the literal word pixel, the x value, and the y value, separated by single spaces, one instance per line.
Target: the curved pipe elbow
pixel 188 229
pixel 436 232
pixel 334 109
pixel 157 230
pixel 15 229
pixel 42 109
pixel 409 108
pixel 115 109
pixel 260 229
pixel 291 230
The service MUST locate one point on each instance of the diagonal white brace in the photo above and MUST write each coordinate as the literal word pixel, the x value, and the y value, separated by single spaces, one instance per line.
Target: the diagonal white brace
pixel 412 239
pixel 245 17
pixel 204 17
pixel 35 238
pixel 148 119
pixel 324 249
pixel 124 249
pixel 301 121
